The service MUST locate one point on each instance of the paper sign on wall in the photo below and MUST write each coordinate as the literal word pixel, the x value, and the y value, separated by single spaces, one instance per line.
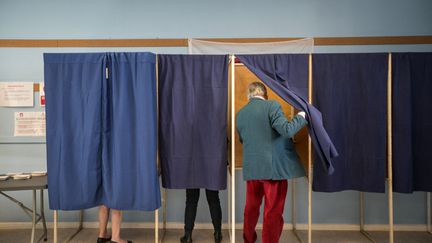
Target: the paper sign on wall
pixel 16 94
pixel 30 124
pixel 42 94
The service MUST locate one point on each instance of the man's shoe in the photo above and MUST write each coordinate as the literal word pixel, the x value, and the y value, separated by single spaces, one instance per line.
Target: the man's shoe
pixel 187 238
pixel 218 236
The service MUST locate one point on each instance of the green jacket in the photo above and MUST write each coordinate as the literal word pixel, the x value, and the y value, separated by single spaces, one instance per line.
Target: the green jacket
pixel 268 150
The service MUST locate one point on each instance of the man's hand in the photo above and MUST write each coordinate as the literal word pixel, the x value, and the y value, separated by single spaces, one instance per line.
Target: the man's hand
pixel 302 114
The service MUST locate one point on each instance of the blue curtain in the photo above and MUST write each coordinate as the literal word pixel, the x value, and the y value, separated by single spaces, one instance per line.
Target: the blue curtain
pixel 350 91
pixel 130 179
pixel 73 86
pixel 412 121
pixel 193 120
pixel 101 133
pixel 287 76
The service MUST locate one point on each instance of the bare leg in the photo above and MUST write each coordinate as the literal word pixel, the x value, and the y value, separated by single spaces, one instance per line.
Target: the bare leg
pixel 103 221
pixel 116 218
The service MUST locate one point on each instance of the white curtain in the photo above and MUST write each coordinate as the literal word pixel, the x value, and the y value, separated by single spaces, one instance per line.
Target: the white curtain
pixel 196 46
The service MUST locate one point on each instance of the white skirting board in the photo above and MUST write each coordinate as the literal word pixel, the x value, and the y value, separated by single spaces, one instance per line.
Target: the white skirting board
pixel 325 227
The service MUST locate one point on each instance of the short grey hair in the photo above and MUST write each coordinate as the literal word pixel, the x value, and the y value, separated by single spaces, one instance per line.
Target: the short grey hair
pixel 257 89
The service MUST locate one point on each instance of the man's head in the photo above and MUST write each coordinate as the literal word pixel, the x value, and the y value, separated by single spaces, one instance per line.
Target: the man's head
pixel 257 89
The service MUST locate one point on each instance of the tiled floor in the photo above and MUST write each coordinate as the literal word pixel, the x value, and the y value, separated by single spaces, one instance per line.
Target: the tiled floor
pixel 171 236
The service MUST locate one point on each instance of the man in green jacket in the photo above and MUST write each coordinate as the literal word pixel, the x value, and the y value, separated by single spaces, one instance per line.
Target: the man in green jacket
pixel 269 159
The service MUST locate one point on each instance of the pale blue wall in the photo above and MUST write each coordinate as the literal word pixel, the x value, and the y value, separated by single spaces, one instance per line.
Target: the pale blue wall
pixel 208 18
pixel 45 19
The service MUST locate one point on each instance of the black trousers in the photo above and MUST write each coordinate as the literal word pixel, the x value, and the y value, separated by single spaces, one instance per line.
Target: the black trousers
pixel 192 197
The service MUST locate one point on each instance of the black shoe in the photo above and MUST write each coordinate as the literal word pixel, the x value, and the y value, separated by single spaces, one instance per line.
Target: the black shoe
pixel 187 238
pixel 103 240
pixel 218 236
pixel 129 241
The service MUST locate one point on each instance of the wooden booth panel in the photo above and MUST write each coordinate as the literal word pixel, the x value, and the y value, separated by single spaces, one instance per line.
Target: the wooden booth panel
pixel 318 41
pixel 301 145
pixel 243 77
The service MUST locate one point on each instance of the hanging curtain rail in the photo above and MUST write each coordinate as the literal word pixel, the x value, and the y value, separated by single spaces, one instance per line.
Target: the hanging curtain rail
pixel 319 41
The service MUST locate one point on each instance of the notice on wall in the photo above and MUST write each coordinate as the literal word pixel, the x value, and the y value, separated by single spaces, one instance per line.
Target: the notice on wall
pixel 31 124
pixel 42 94
pixel 16 94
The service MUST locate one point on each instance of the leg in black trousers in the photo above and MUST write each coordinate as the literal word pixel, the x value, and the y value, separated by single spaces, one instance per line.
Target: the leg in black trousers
pixel 192 197
pixel 215 212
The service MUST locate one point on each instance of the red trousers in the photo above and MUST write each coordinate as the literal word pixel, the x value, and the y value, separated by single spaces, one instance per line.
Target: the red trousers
pixel 274 193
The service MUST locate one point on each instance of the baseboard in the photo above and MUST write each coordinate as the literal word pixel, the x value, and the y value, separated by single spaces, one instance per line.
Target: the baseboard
pixel 178 225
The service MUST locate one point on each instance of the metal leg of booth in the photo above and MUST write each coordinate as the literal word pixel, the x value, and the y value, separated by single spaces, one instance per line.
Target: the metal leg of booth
pixel 80 226
pixel 362 230
pixel 428 213
pixel 293 210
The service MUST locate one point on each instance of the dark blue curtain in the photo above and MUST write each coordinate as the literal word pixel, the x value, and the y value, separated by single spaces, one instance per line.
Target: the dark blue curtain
pixel 101 133
pixel 130 178
pixel 412 122
pixel 350 91
pixel 287 76
pixel 73 86
pixel 192 120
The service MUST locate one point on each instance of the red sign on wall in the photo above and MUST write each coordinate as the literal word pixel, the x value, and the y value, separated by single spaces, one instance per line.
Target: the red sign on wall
pixel 42 94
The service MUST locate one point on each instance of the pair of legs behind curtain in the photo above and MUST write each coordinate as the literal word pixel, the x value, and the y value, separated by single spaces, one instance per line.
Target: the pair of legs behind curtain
pixel 116 217
pixel 192 197
pixel 274 193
